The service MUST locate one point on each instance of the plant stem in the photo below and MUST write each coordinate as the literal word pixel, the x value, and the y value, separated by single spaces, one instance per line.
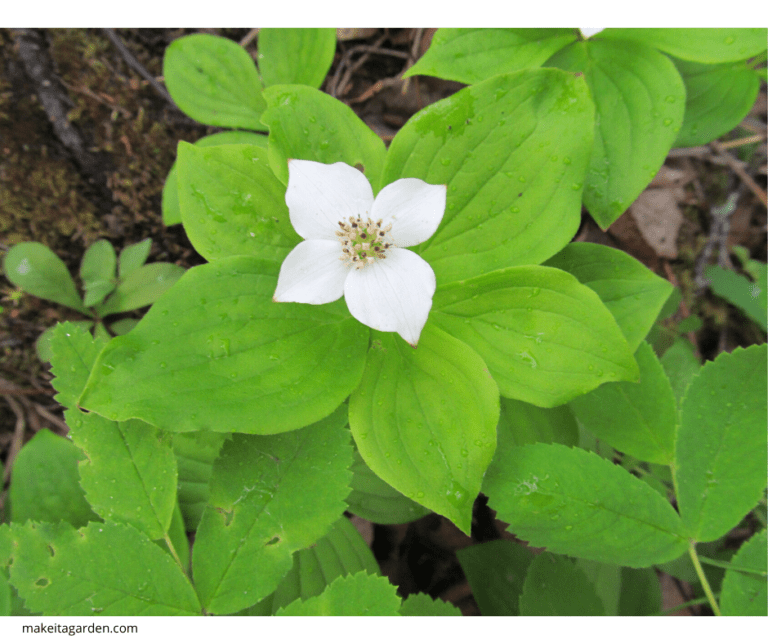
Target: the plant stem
pixel 703 579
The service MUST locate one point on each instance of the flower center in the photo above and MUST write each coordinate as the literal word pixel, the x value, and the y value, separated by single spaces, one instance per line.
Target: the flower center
pixel 363 242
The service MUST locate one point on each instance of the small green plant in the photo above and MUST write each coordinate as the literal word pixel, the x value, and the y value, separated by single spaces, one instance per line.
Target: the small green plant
pixel 111 284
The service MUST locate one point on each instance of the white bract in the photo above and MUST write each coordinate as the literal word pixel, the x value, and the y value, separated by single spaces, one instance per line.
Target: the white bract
pixel 588 32
pixel 354 245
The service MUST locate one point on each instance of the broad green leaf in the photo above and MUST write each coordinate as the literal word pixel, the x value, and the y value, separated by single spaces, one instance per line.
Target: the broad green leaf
pixel 270 496
pixel 129 471
pixel 214 80
pixel 216 353
pixel 555 586
pixel 701 45
pixel 377 501
pixel 640 592
pixel 527 424
pixel 43 342
pixel 232 204
pixel 422 605
pixel 97 271
pixel 740 292
pixel 358 595
pixel 45 485
pixel 513 151
pixel 576 503
pixel 718 97
pixel 177 533
pixel 638 418
pixel 473 55
pixel 34 268
pixel 681 366
pixel 5 595
pixel 425 420
pixel 121 327
pixel 295 56
pixel 745 593
pixel 496 571
pixel 639 103
pixel 104 569
pixel 633 294
pixel 545 337
pixel 606 581
pixel 170 202
pixel 339 553
pixel 305 123
pixel 143 286
pixel 73 354
pixel 195 453
pixel 721 446
pixel 133 257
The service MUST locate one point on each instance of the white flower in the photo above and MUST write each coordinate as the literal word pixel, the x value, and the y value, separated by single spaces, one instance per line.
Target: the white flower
pixel 354 245
pixel 588 32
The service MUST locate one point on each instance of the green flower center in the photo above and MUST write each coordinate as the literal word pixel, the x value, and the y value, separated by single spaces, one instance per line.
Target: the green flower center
pixel 363 242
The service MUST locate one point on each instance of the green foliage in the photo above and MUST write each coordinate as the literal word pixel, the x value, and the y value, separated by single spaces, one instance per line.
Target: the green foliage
pixel 744 587
pixel 750 297
pixel 296 56
pixel 555 586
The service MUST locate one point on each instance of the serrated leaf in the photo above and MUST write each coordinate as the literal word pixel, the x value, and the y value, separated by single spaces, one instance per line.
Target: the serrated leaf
pixel 633 294
pixel 496 571
pixel 97 271
pixel 745 593
pixel 143 286
pixel 576 503
pixel 305 123
pixel 132 257
pixel 740 292
pixel 232 204
pixel 73 354
pixel 528 424
pixel 425 420
pixel 681 366
pixel 214 81
pixel 129 471
pixel 554 586
pixel 545 337
pixel 513 151
pixel 639 103
pixel 230 358
pixel 270 496
pixel 638 418
pixel 474 55
pixel 377 501
pixel 721 446
pixel 295 56
pixel 358 595
pixel 45 485
pixel 104 569
pixel 422 605
pixel 34 268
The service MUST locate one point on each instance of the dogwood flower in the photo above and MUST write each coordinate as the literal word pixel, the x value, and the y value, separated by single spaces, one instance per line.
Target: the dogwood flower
pixel 588 32
pixel 354 245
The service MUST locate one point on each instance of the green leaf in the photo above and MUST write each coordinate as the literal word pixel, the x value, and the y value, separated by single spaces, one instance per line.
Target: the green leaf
pixel 34 268
pixel 214 80
pixel 305 123
pixel 528 424
pixel 377 501
pixel 425 420
pixel 215 353
pixel 133 257
pixel 740 292
pixel 496 571
pixel 232 204
pixel 143 286
pixel 422 605
pixel 606 581
pixel 576 503
pixel 640 592
pixel 707 115
pixel 744 593
pixel 104 569
pixel 195 453
pixel 513 151
pixel 270 496
pixel 701 45
pixel 45 484
pixel 633 294
pixel 170 202
pixel 681 366
pixel 5 595
pixel 721 447
pixel 121 327
pixel 555 586
pixel 296 56
pixel 359 595
pixel 74 352
pixel 638 418
pixel 639 103
pixel 474 55
pixel 339 553
pixel 97 271
pixel 545 337
pixel 129 471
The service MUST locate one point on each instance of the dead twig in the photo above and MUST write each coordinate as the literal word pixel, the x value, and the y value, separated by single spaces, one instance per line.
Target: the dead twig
pixel 248 38
pixel 375 89
pixel 87 92
pixel 738 167
pixel 747 140
pixel 336 84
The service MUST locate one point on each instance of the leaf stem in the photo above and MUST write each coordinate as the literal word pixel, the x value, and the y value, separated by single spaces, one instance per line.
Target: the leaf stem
pixel 174 554
pixel 703 578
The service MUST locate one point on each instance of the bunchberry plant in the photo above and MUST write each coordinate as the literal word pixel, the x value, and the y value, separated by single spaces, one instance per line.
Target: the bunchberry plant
pixel 477 349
